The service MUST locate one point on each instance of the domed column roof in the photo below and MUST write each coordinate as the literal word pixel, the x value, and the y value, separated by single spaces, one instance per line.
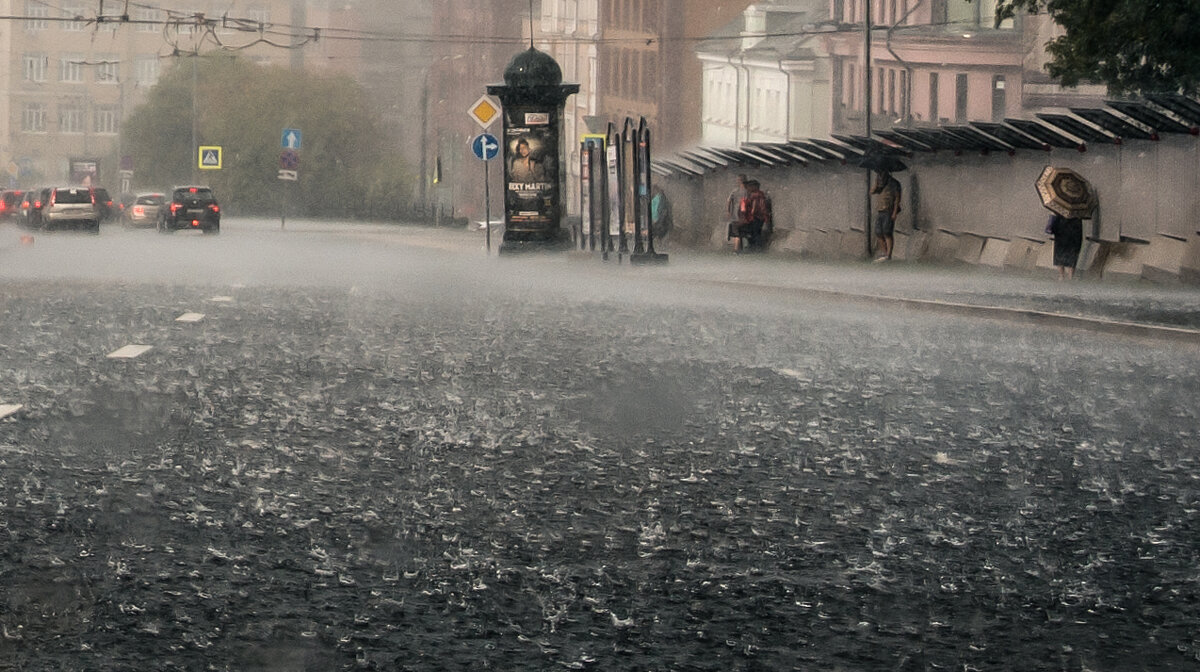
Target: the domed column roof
pixel 533 68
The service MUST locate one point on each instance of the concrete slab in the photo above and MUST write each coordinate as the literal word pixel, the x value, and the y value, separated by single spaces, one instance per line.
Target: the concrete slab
pixel 852 245
pixel 1022 254
pixel 943 247
pixel 1124 261
pixel 1189 270
pixel 970 248
pixel 995 251
pixel 1164 259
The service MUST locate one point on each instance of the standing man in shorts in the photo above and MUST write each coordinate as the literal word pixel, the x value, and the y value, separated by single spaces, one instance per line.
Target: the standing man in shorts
pixel 887 207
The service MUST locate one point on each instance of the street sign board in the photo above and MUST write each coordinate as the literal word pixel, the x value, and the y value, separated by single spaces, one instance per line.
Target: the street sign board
pixel 484 111
pixel 291 139
pixel 485 146
pixel 289 159
pixel 210 158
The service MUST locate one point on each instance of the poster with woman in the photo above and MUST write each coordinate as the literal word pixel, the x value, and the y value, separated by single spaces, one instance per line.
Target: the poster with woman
pixel 531 170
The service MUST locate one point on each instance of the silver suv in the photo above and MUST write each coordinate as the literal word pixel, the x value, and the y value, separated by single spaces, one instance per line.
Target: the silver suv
pixel 70 207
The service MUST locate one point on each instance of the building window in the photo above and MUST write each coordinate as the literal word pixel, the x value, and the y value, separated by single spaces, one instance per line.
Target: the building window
pixel 108 120
pixel 34 67
pixel 933 97
pixel 108 71
pixel 73 12
pixel 960 98
pixel 259 14
pixel 70 119
pixel 145 70
pixel 71 68
pixel 37 12
pixel 891 87
pixel 146 18
pixel 999 98
pixel 33 118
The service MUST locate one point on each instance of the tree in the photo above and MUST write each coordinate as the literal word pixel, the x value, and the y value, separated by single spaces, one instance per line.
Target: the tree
pixel 243 108
pixel 1132 46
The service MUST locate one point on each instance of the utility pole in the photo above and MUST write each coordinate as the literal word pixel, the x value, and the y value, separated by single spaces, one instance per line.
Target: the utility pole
pixel 867 101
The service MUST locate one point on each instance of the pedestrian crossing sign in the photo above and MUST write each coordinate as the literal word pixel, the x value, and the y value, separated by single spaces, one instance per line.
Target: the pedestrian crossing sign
pixel 210 158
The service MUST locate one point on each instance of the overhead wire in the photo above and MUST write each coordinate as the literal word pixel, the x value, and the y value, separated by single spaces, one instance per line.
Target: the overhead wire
pixel 292 36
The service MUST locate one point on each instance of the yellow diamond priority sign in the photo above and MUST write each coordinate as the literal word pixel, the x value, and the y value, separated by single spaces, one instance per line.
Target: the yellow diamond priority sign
pixel 484 111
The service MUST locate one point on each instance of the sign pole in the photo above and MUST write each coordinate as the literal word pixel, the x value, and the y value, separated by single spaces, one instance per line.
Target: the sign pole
pixel 487 207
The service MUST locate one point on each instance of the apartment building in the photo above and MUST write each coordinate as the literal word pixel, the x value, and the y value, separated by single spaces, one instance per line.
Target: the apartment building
pixel 76 68
pixel 937 62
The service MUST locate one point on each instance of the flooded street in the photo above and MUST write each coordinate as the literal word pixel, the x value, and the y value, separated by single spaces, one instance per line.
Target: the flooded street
pixel 380 448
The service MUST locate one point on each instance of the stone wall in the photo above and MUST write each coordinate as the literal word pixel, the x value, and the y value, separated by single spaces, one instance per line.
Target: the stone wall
pixel 973 208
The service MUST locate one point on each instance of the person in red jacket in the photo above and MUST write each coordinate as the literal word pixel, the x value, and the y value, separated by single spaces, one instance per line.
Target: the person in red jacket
pixel 753 215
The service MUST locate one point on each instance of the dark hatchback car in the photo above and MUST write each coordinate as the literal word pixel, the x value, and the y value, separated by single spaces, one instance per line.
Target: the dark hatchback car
pixel 10 205
pixel 191 207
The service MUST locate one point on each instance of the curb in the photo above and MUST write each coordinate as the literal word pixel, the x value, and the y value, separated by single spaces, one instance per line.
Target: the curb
pixel 1026 315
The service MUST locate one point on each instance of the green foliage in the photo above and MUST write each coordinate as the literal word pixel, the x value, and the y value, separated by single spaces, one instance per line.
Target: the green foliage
pixel 345 170
pixel 1132 46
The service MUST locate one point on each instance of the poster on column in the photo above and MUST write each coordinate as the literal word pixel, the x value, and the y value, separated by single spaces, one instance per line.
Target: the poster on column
pixel 531 172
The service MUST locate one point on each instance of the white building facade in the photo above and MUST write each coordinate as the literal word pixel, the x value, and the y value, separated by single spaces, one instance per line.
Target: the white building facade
pixel 767 75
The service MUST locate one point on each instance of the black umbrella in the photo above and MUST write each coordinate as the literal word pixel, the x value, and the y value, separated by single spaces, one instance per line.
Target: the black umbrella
pixel 882 163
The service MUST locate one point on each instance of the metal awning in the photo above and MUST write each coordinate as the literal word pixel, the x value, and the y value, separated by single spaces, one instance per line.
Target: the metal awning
pixel 812 151
pixel 699 157
pixel 739 156
pixel 1150 116
pixel 1186 108
pixel 679 166
pixel 785 152
pixel 1077 128
pixel 977 139
pixel 1113 124
pixel 770 151
pixel 1045 133
pixel 932 137
pixel 1010 135
pixel 841 149
pixel 903 141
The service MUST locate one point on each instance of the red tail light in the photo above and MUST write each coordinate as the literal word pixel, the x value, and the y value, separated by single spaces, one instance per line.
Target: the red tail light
pixel 214 208
pixel 3 206
pixel 175 207
pixel 139 211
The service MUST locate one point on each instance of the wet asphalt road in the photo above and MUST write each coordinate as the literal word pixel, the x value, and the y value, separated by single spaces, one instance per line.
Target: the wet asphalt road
pixel 376 449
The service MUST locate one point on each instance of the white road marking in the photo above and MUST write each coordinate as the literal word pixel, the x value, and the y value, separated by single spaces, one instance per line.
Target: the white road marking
pixel 222 299
pixel 8 409
pixel 129 351
pixel 190 317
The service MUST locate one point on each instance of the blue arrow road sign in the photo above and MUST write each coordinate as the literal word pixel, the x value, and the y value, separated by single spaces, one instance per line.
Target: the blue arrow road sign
pixel 485 146
pixel 291 138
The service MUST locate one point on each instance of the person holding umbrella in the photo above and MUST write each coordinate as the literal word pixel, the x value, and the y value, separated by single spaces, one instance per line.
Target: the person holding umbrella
pixel 885 198
pixel 1070 199
pixel 886 194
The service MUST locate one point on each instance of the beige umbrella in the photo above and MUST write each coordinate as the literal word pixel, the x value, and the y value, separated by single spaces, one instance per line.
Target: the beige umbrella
pixel 1065 192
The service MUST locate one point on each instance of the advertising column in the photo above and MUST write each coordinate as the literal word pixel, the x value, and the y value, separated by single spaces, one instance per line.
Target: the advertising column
pixel 531 171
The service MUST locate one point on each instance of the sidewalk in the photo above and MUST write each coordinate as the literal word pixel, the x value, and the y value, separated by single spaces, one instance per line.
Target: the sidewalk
pixel 1127 307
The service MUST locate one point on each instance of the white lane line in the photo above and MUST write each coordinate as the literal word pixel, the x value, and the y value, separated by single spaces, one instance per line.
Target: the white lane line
pixel 190 317
pixel 222 299
pixel 8 409
pixel 129 351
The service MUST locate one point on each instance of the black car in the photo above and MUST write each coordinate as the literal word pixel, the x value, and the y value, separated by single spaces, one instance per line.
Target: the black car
pixel 104 205
pixel 192 207
pixel 10 205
